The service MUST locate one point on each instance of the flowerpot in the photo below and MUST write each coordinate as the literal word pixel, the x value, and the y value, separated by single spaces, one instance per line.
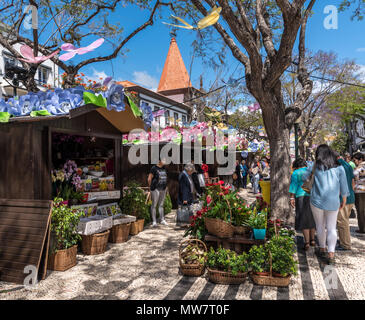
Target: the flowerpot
pixel 137 227
pixel 278 275
pixel 119 233
pixel 95 243
pixel 223 277
pixel 265 187
pixel 259 234
pixel 262 273
pixel 63 259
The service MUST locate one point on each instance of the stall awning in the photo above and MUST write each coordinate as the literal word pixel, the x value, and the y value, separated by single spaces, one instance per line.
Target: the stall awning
pixel 124 121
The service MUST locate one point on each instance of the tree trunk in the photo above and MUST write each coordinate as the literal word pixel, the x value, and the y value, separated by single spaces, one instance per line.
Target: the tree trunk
pixel 279 140
pixel 301 148
pixel 30 82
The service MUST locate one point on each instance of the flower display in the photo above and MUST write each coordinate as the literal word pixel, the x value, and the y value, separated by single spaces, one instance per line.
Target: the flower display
pixel 147 114
pixel 115 97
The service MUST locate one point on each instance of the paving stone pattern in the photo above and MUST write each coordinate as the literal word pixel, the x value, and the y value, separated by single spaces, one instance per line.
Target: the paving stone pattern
pixel 146 267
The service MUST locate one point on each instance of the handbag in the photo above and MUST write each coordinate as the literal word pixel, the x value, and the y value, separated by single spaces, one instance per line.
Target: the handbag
pixel 183 214
pixel 201 180
pixel 308 184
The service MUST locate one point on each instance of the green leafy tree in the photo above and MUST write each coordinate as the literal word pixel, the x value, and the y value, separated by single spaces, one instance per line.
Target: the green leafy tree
pixel 261 35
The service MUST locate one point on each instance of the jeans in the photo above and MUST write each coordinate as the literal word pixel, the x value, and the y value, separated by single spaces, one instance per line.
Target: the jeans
pixel 325 220
pixel 255 183
pixel 158 198
pixel 244 182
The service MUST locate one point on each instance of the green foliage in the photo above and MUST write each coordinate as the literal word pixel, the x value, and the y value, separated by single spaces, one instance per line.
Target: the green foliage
pixel 167 205
pixel 227 260
pixel 257 220
pixel 64 223
pixel 258 258
pixel 358 7
pixel 134 201
pixel 340 143
pixel 282 251
pixel 197 227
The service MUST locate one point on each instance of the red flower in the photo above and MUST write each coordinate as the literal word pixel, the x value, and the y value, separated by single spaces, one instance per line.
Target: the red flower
pixel 209 199
pixel 205 168
pixel 221 182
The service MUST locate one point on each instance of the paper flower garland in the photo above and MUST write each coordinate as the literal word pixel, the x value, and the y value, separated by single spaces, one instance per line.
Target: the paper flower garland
pixel 27 53
pixel 72 50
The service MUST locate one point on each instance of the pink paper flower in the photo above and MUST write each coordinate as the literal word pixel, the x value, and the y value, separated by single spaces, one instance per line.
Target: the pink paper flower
pixel 72 50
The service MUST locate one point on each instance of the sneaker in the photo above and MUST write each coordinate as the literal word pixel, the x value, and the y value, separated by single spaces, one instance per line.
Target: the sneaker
pixel 164 222
pixel 331 261
pixel 154 225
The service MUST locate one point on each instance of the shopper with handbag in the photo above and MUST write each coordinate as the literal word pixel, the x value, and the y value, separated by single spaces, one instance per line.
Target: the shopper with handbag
pixel 326 181
pixel 255 170
pixel 185 195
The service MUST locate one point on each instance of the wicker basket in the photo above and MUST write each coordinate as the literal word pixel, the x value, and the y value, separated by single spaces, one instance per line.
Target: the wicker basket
pixel 192 270
pixel 119 233
pixel 242 230
pixel 222 277
pixel 136 227
pixel 270 280
pixel 63 259
pixel 219 228
pixel 95 243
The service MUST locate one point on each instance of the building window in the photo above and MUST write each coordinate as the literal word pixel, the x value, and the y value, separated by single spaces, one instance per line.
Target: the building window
pixel 184 119
pixel 167 117
pixel 176 117
pixel 43 74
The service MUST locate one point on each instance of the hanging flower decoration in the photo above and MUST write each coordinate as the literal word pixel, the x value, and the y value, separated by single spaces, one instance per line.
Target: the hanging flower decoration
pixel 147 114
pixel 27 53
pixel 72 50
pixel 254 107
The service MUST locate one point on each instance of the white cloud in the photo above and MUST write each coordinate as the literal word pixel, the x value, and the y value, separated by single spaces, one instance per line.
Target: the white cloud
pixel 144 79
pixel 361 72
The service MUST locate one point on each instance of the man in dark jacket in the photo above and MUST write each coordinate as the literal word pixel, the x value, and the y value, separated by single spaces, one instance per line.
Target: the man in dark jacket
pixel 186 186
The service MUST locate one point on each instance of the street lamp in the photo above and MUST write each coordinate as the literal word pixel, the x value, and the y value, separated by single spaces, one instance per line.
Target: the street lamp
pixel 296 127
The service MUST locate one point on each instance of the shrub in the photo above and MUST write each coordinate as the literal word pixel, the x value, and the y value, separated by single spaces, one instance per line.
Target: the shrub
pixel 134 201
pixel 227 260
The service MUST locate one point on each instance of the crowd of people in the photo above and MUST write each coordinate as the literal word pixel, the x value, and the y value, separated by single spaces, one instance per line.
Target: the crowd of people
pixel 325 209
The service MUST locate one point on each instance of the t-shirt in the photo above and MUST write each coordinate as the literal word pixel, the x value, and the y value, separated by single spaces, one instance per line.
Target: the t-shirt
pixel 296 183
pixel 327 186
pixel 159 179
pixel 349 176
pixel 352 164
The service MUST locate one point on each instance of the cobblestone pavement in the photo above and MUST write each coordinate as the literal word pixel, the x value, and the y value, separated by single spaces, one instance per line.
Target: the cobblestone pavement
pixel 146 267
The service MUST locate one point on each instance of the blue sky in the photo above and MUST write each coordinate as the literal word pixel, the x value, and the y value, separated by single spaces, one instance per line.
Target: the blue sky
pixel 144 62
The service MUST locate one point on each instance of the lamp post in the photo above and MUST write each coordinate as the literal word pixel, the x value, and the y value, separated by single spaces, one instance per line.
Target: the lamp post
pixel 296 127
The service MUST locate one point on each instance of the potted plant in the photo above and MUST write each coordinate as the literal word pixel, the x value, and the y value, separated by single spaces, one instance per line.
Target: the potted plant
pixel 259 260
pixel 197 225
pixel 226 266
pixel 220 203
pixel 282 249
pixel 134 203
pixel 64 238
pixel 257 221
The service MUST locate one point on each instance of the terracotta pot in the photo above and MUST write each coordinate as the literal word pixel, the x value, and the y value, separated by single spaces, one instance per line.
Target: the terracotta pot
pixel 63 259
pixel 262 273
pixel 278 275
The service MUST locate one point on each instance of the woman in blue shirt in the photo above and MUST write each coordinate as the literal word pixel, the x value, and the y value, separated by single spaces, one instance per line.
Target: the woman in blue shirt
pixel 244 171
pixel 300 200
pixel 329 184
